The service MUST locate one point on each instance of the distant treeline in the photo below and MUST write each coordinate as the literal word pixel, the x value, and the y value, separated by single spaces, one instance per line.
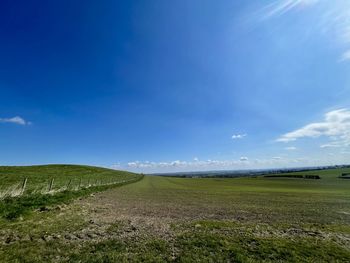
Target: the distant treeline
pixel 233 175
pixel 345 176
pixel 300 176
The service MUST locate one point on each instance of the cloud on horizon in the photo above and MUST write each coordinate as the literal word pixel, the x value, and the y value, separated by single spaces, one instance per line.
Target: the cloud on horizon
pixel 188 165
pixel 234 164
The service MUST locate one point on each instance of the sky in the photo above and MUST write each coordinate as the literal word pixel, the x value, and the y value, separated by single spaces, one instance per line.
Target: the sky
pixel 166 86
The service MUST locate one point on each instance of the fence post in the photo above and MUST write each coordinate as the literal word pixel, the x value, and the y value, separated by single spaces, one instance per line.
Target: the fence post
pixel 51 184
pixel 70 181
pixel 24 184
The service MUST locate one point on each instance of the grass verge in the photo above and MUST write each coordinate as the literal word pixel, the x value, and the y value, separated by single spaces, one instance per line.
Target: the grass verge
pixel 15 207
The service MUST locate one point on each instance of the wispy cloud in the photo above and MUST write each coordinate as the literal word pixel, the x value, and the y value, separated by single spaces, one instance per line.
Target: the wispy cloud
pixel 329 145
pixel 238 136
pixel 16 120
pixel 290 148
pixel 335 126
pixel 333 18
pixel 345 56
pixel 283 6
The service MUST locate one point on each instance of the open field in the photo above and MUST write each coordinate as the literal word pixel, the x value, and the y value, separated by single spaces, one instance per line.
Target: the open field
pixel 162 219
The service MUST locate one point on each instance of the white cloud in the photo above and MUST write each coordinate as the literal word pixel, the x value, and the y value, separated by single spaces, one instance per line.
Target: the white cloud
pixel 16 120
pixel 189 165
pixel 336 126
pixel 290 148
pixel 329 145
pixel 238 136
pixel 133 164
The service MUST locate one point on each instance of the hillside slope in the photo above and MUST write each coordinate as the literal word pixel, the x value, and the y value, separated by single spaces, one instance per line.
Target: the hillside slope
pixel 58 177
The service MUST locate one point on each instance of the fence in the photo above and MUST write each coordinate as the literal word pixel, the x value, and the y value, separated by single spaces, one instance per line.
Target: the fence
pixel 50 186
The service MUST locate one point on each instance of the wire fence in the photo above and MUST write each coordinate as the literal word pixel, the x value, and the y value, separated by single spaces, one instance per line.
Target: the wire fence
pixel 26 187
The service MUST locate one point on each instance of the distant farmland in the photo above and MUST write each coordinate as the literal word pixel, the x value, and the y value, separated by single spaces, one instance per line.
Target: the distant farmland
pixel 253 173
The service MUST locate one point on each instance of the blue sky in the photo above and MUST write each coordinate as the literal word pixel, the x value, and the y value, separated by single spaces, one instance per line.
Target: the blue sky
pixel 175 85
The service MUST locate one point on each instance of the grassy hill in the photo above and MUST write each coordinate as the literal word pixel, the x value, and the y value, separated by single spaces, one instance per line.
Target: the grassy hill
pixel 23 188
pixel 59 177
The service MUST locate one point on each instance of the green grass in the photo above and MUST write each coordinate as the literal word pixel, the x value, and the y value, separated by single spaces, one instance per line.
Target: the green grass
pixel 263 199
pixel 162 219
pixel 39 177
pixel 208 246
pixel 69 182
